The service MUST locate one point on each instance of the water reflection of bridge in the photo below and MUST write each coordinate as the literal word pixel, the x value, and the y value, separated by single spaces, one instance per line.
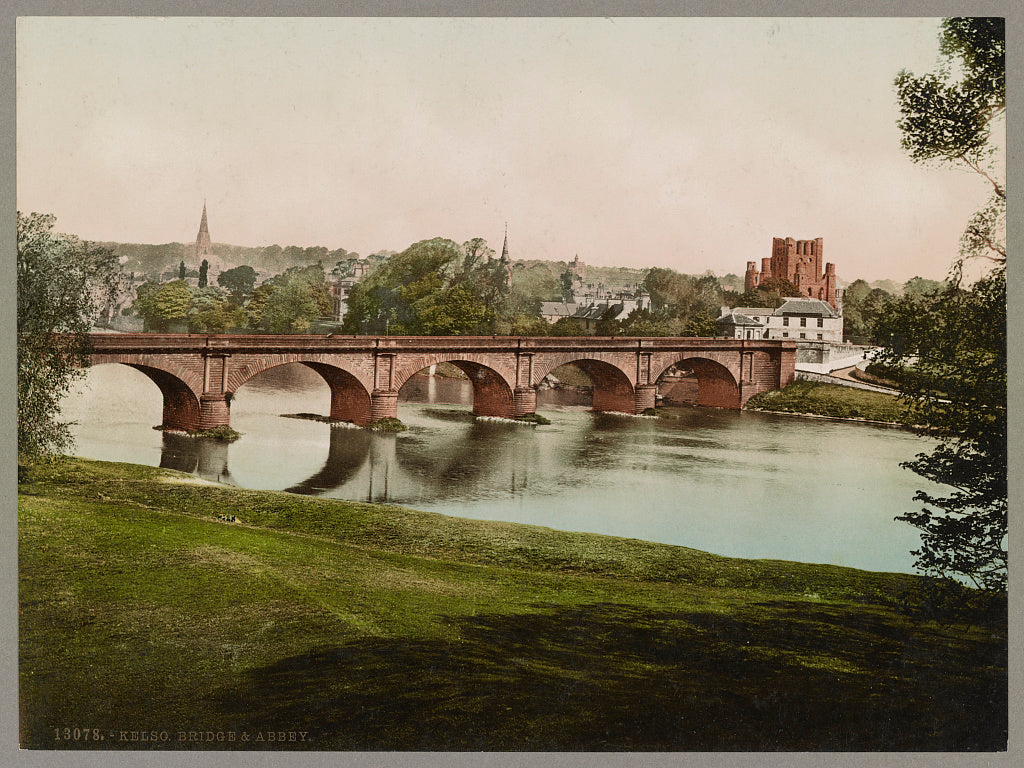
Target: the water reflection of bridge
pixel 476 457
pixel 199 374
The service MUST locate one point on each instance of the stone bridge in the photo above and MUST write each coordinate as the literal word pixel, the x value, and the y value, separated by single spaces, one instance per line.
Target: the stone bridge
pixel 198 374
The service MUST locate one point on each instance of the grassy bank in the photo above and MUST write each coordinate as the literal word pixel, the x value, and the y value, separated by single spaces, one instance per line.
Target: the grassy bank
pixel 144 608
pixel 832 400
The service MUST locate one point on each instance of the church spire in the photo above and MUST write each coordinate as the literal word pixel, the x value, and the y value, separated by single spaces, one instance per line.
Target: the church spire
pixel 506 262
pixel 203 249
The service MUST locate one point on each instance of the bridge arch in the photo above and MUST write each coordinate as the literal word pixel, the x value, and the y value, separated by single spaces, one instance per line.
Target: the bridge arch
pixel 181 405
pixel 350 401
pixel 716 385
pixel 492 393
pixel 613 388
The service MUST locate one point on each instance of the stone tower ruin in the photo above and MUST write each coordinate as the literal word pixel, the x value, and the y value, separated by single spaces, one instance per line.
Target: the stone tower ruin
pixel 799 262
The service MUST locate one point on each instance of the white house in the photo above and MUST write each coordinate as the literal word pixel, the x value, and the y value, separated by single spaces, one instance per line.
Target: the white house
pixel 796 320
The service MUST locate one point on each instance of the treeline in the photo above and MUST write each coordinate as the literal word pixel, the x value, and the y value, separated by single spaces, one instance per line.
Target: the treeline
pixel 440 287
pixel 290 302
pixel 152 261
pixel 867 311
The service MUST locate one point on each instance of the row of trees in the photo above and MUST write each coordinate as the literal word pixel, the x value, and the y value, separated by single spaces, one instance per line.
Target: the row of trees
pixel 290 302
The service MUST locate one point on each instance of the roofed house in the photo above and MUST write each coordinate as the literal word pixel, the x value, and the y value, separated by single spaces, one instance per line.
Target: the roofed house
pixel 553 311
pixel 796 320
pixel 734 324
pixel 590 310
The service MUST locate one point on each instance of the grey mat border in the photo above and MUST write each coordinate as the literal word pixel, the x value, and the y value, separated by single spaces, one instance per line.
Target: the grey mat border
pixel 11 755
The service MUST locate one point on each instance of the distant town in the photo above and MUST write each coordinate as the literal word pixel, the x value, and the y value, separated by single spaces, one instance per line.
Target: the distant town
pixel 202 287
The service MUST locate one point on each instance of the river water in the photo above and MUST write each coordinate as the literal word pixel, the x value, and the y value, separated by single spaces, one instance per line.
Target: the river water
pixel 734 483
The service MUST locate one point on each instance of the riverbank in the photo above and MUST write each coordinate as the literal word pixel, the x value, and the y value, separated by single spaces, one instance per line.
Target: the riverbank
pixel 812 398
pixel 155 602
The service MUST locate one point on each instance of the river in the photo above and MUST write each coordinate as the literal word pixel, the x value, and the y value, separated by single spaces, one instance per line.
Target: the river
pixel 735 483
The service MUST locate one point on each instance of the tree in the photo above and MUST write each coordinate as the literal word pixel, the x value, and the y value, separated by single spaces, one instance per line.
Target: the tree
pixel 432 287
pixel 956 381
pixel 257 305
pixel 181 270
pixel 643 322
pixel 452 312
pixel 780 286
pixel 300 299
pixel 701 324
pixel 862 306
pixel 919 286
pixel 947 117
pixel 143 305
pixel 239 281
pixel 566 281
pixel 204 270
pixel 488 281
pixel 567 326
pixel 63 284
pixel 758 298
pixel 525 325
pixel 608 323
pixel 159 305
pixel 854 327
pixel 383 300
pixel 956 388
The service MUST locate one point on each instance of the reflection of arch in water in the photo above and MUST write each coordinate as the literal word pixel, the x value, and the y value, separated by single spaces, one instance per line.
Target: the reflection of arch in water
pixel 198 456
pixel 345 457
pixel 608 440
pixel 613 390
pixel 450 460
pixel 716 385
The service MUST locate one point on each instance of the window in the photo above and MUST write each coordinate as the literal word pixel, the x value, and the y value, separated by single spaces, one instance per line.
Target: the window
pixel 785 321
pixel 819 337
pixel 821 323
pixel 803 322
pixel 803 335
pixel 785 334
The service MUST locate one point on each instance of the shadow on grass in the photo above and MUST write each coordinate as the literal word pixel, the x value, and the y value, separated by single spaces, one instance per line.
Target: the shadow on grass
pixel 614 677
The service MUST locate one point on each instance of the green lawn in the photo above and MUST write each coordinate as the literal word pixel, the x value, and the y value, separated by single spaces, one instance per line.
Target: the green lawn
pixel 143 607
pixel 833 400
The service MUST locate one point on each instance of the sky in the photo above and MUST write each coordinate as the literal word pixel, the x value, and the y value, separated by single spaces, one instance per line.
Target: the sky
pixel 686 143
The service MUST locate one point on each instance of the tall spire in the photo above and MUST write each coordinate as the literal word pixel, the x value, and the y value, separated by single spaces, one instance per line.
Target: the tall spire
pixel 203 249
pixel 506 262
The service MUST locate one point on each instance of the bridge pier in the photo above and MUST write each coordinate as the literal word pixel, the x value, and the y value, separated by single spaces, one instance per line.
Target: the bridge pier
pixel 214 411
pixel 646 397
pixel 383 404
pixel 524 401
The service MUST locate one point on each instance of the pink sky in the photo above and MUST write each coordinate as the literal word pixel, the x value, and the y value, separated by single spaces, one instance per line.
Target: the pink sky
pixel 681 143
